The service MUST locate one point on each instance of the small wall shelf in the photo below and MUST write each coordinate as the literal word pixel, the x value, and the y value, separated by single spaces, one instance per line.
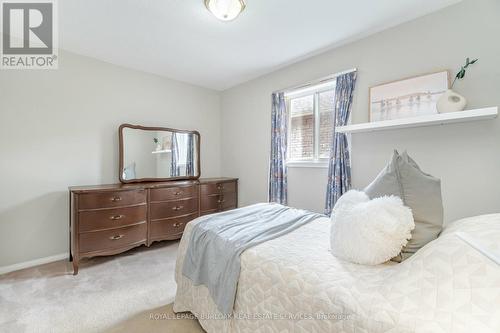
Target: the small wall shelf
pixel 431 120
pixel 162 151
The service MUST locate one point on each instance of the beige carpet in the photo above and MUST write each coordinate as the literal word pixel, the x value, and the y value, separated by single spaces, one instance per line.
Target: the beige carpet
pixel 131 292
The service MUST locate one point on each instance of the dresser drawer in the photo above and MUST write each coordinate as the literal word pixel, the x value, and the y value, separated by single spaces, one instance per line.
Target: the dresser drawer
pixel 210 202
pixel 170 227
pixel 111 218
pixel 218 202
pixel 211 211
pixel 173 193
pixel 112 239
pixel 161 210
pixel 228 201
pixel 214 188
pixel 111 199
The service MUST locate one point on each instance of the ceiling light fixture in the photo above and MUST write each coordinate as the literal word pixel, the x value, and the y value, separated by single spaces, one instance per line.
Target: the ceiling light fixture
pixel 225 10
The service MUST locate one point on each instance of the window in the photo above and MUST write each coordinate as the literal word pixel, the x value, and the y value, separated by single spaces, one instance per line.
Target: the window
pixel 311 124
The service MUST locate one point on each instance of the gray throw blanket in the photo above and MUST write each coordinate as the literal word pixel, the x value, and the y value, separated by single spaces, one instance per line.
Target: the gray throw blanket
pixel 213 254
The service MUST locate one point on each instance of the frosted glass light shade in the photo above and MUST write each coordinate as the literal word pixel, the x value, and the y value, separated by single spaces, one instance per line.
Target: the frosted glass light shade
pixel 225 10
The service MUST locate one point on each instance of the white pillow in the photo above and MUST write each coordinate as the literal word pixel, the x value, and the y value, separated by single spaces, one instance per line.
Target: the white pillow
pixel 369 232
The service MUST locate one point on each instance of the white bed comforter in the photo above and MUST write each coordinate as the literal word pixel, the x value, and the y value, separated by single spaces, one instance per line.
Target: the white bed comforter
pixel 294 284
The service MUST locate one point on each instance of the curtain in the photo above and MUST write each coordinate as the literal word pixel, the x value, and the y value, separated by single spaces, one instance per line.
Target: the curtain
pixel 174 164
pixel 190 156
pixel 277 168
pixel 339 168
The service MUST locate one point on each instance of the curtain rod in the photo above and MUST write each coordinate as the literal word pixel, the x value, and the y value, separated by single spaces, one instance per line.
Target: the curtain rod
pixel 315 82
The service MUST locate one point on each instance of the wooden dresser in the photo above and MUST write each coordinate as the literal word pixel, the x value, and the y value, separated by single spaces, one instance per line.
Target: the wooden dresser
pixel 110 219
pixel 217 195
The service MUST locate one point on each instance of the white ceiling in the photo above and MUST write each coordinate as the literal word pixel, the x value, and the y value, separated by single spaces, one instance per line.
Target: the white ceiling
pixel 181 40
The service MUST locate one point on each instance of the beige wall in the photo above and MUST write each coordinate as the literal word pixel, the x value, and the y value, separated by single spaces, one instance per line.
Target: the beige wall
pixel 59 128
pixel 466 156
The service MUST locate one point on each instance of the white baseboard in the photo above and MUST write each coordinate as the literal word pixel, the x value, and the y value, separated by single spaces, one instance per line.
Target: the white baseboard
pixel 32 263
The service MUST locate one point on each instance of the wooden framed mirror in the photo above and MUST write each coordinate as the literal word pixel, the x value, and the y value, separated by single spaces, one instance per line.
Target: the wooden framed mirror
pixel 158 154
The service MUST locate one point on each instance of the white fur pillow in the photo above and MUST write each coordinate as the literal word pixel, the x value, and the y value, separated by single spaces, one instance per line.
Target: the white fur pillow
pixel 369 232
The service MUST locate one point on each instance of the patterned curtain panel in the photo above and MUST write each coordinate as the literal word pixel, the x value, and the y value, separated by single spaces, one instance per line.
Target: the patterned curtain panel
pixel 277 169
pixel 339 169
pixel 174 167
pixel 190 156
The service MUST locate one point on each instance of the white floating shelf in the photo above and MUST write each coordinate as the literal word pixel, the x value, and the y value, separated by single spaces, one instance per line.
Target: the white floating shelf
pixel 162 151
pixel 430 120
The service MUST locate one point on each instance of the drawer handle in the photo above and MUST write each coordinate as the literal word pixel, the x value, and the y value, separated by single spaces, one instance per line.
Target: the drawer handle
pixel 116 237
pixel 178 224
pixel 116 217
pixel 220 187
pixel 178 193
pixel 116 199
pixel 177 207
pixel 221 201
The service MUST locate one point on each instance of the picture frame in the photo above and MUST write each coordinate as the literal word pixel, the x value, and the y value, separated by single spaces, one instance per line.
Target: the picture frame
pixel 408 97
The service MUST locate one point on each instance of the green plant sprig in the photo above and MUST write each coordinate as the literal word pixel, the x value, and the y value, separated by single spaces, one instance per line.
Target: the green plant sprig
pixel 461 74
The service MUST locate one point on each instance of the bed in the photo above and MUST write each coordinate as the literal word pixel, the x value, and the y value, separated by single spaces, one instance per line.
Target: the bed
pixel 293 284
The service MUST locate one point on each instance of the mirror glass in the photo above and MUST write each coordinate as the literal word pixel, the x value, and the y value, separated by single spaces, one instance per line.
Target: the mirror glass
pixel 149 154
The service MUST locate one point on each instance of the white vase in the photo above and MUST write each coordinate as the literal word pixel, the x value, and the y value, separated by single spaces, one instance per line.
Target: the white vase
pixel 450 101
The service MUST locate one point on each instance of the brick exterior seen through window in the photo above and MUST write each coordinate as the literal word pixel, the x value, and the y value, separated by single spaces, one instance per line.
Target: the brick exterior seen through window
pixel 301 137
pixel 325 123
pixel 301 143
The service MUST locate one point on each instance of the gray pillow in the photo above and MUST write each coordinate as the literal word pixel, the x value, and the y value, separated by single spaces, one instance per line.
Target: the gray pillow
pixel 419 191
